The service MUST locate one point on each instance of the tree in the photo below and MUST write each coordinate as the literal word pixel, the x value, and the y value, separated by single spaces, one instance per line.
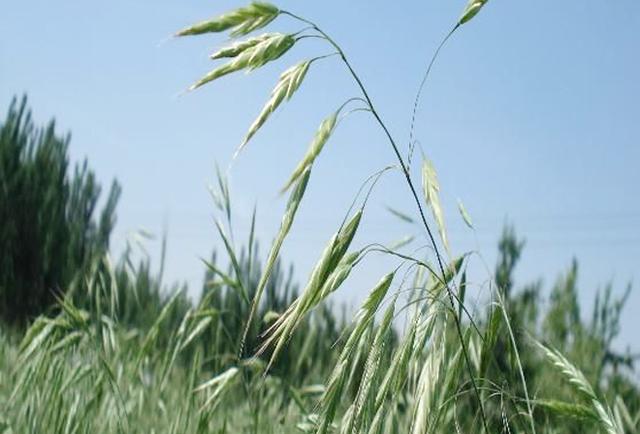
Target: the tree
pixel 49 232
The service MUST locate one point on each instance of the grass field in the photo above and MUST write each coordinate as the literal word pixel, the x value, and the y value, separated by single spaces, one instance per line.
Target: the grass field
pixel 97 369
pixel 109 347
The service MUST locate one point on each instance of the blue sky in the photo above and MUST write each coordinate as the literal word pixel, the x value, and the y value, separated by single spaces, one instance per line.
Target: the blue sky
pixel 530 116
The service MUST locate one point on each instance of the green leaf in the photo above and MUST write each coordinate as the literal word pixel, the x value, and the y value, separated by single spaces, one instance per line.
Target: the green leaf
pixel 234 261
pixel 487 352
pixel 402 242
pixel 402 216
pixel 462 292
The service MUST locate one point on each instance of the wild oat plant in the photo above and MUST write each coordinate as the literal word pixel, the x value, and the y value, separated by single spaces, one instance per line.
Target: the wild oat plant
pixel 414 358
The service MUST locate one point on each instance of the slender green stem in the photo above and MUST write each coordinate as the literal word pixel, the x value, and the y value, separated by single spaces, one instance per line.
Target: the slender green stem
pixel 350 100
pixel 414 193
pixel 519 362
pixel 373 177
pixel 353 110
pixel 308 36
pixel 303 30
pixel 321 57
pixel 424 80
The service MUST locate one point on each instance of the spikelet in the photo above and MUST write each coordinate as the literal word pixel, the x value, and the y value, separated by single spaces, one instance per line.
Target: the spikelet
pixel 471 10
pixel 577 378
pixel 241 21
pixel 328 264
pixel 287 220
pixel 239 47
pixel 322 135
pixel 289 82
pixel 373 373
pixel 465 215
pixel 218 386
pixel 270 48
pixel 431 188
pixel 338 380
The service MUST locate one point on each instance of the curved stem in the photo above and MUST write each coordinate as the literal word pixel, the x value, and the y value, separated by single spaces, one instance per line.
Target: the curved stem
pixel 302 30
pixel 308 36
pixel 375 177
pixel 321 57
pixel 414 194
pixel 350 100
pixel 424 80
pixel 353 110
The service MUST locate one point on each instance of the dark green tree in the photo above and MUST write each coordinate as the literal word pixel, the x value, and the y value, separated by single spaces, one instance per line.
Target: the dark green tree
pixel 50 229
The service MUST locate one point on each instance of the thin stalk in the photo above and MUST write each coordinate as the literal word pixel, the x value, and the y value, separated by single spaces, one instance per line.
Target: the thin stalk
pixel 519 362
pixel 414 193
pixel 423 82
pixel 354 110
pixel 308 36
pixel 321 57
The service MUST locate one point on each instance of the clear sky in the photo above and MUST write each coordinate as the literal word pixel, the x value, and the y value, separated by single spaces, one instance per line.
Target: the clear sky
pixel 530 116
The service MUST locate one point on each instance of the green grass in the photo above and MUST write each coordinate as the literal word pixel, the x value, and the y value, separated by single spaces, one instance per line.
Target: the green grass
pixel 122 353
pixel 92 370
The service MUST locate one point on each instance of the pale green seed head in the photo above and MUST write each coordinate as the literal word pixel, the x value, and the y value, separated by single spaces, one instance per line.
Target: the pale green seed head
pixel 320 139
pixel 471 10
pixel 251 57
pixel 237 48
pixel 241 21
pixel 287 85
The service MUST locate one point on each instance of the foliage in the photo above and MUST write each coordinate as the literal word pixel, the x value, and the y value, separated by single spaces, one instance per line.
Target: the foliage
pixel 166 365
pixel 256 355
pixel 50 228
pixel 455 372
pixel 582 352
pixel 139 357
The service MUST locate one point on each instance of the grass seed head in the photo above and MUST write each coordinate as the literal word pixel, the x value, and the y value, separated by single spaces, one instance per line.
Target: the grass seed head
pixel 252 57
pixel 322 136
pixel 238 47
pixel 241 21
pixel 431 188
pixel 471 10
pixel 289 82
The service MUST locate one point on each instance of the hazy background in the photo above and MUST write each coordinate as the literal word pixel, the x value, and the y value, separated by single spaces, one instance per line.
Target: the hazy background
pixel 530 116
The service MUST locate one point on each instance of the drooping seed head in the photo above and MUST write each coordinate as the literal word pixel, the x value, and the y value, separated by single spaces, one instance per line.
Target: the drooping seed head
pixel 471 10
pixel 431 188
pixel 252 57
pixel 289 82
pixel 345 236
pixel 242 20
pixel 322 136
pixel 238 47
